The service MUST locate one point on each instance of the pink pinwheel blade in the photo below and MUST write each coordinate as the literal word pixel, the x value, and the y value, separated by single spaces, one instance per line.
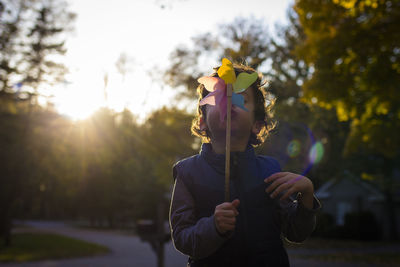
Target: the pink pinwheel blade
pixel 212 83
pixel 221 94
pixel 209 99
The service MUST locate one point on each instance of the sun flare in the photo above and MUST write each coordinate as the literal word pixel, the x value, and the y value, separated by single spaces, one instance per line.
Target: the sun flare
pixel 79 99
pixel 135 92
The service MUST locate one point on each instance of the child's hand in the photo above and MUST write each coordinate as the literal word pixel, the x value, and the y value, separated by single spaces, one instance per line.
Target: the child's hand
pixel 225 216
pixel 289 183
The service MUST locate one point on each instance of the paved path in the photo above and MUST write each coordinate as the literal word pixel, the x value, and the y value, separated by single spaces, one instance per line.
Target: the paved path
pixel 129 250
pixel 125 250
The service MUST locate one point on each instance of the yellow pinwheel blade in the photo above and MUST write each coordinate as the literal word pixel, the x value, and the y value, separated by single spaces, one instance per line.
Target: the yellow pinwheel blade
pixel 226 71
pixel 243 81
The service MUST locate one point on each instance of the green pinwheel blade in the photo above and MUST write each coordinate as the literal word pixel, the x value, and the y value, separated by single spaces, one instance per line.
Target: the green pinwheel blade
pixel 243 81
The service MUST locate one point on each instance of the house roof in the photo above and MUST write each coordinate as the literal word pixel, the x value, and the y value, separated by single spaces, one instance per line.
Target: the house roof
pixel 325 191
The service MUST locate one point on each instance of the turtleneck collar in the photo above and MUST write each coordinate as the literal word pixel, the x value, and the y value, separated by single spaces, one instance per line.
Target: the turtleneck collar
pixel 217 161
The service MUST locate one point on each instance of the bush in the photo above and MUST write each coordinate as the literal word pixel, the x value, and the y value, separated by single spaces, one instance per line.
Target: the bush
pixel 358 226
pixel 325 224
pixel 362 226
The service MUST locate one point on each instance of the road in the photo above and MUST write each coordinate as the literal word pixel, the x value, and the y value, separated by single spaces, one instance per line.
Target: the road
pixel 126 250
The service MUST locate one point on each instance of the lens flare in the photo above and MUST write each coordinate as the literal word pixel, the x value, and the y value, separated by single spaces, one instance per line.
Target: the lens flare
pixel 293 148
pixel 296 148
pixel 316 153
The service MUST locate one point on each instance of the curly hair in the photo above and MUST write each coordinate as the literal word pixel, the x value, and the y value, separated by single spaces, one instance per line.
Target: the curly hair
pixel 262 110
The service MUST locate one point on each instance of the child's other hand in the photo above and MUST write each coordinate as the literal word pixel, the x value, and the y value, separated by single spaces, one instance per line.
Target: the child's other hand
pixel 289 183
pixel 225 216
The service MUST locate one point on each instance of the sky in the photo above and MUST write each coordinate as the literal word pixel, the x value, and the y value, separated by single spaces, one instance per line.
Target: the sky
pixel 146 31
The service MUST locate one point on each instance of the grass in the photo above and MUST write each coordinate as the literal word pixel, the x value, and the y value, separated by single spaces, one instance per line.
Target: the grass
pixel 42 246
pixel 125 231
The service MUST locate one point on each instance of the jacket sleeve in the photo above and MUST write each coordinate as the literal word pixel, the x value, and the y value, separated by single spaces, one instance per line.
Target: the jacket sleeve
pixel 195 238
pixel 298 222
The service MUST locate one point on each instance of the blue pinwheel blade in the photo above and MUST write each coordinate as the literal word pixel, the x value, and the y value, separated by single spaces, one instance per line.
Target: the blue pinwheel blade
pixel 238 100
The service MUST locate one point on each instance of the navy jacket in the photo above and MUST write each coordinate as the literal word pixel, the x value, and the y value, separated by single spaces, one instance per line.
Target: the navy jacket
pixel 256 241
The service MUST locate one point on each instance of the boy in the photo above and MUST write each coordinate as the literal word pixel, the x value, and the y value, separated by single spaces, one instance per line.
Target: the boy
pixel 247 230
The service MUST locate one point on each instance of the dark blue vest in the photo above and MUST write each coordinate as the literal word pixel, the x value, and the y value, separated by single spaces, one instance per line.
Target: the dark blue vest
pixel 256 240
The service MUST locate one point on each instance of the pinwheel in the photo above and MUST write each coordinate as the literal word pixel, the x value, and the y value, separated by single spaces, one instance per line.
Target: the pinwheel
pixel 218 87
pixel 222 95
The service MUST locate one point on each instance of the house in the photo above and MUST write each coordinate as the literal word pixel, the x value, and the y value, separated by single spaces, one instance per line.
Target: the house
pixel 349 195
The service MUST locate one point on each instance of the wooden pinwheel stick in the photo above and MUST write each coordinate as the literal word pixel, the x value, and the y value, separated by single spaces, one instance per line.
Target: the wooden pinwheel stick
pixel 228 140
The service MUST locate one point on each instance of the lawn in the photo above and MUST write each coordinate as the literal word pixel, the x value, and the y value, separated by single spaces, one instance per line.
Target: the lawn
pixel 43 246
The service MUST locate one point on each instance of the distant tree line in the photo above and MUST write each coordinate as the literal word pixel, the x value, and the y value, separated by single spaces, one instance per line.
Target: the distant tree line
pixel 108 170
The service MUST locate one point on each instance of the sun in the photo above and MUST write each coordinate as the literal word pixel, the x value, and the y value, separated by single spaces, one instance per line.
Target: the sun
pixel 81 98
pixel 78 100
pixel 79 112
pixel 77 109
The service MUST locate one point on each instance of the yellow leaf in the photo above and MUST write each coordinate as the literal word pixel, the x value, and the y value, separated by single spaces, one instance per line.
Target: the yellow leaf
pixel 341 112
pixel 226 71
pixel 348 4
pixel 325 105
pixel 353 112
pixel 366 176
pixel 382 108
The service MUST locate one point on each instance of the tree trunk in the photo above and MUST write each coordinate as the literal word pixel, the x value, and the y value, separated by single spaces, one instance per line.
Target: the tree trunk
pixel 110 218
pixel 391 212
pixel 6 225
pixel 160 233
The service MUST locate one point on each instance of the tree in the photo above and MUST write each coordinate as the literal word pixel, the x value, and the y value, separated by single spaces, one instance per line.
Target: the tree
pixel 126 168
pixel 11 172
pixel 27 30
pixel 9 32
pixel 353 48
pixel 247 40
pixel 172 127
pixel 297 119
pixel 32 42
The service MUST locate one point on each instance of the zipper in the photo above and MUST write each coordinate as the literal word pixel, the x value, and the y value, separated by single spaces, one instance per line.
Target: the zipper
pixel 235 161
pixel 239 186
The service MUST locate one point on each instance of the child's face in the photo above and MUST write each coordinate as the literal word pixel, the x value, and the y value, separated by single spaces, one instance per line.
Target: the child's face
pixel 242 123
